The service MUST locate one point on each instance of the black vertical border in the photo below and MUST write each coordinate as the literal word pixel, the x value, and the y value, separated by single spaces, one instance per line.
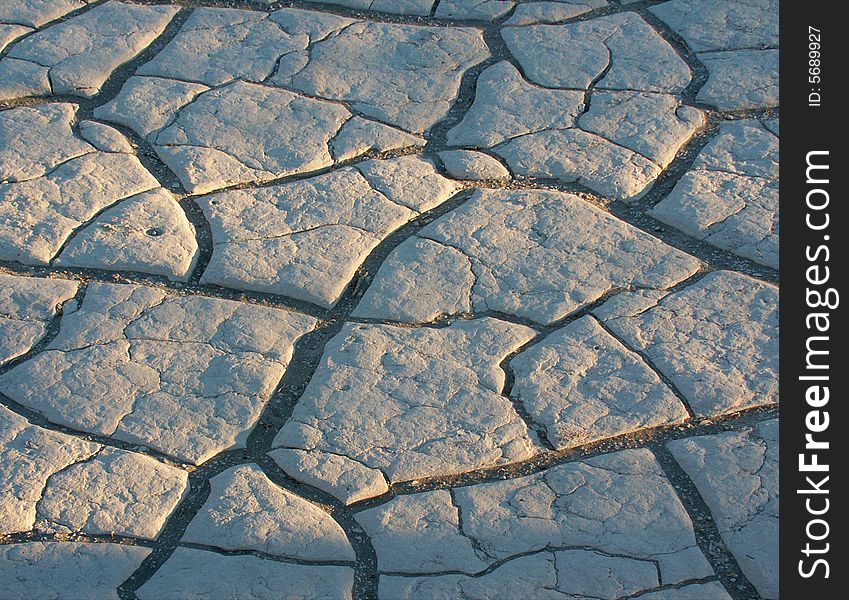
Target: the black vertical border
pixel 806 128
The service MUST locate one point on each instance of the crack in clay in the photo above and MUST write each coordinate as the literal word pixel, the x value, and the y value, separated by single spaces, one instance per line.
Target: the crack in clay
pixel 39 517
pixel 309 348
pixel 667 382
pixel 708 538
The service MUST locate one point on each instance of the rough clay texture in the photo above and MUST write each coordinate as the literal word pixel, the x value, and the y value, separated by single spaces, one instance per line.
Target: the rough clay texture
pixel 35 13
pixel 467 164
pixel 583 385
pixel 148 104
pixel 496 218
pixel 432 523
pixel 399 74
pixel 204 162
pixel 27 306
pixel 51 182
pixel 716 340
pixel 563 574
pixel 737 42
pixel 506 106
pixel 67 570
pixel 105 138
pixel 730 197
pixel 35 139
pixel 722 24
pixel 712 590
pixel 148 233
pixel 359 136
pixel 483 10
pixel 552 12
pixel 243 132
pixel 410 181
pixel 201 574
pixel 248 132
pixel 550 271
pixel 758 68
pixel 9 33
pixel 29 455
pixel 737 475
pixel 614 52
pixel 246 511
pixel 78 55
pixel 618 147
pixel 339 476
pixel 413 403
pixel 612 514
pixel 307 238
pixel 614 142
pixel 112 492
pixel 185 375
pixel 399 7
pixel 217 45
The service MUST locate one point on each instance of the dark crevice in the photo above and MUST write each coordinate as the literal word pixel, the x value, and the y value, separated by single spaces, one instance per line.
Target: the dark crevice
pixel 661 375
pixel 147 155
pixel 697 69
pixel 543 332
pixel 636 212
pixel 707 533
pixel 203 235
pixel 538 430
pixel 611 8
pixel 306 357
pixel 305 360
pixel 51 331
pixel 741 420
pixel 37 419
pixel 671 586
pixel 265 555
pixel 82 226
pixel 86 275
pixel 496 564
pixel 325 7
pixel 176 524
pixel 119 76
pixel 283 179
pixel 25 537
pixel 116 79
pixel 309 349
pixel 365 567
pixel 437 135
pixel 461 527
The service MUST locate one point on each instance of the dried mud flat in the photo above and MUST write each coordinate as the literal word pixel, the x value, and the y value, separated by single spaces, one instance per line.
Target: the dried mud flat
pixel 367 299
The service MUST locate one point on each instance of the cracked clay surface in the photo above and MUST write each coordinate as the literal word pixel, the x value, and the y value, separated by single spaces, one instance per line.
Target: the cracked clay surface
pixel 371 299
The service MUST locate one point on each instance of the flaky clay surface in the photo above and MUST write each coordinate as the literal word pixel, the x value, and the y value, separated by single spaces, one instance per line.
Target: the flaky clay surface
pixel 364 299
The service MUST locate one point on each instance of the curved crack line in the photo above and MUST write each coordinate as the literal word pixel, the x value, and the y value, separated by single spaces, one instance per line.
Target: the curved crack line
pixel 399 489
pixel 305 359
pixel 36 419
pixel 547 549
pixel 83 461
pixel 708 537
pixel 266 555
pixel 648 362
pixel 645 438
pixel 83 225
pixel 697 68
pixel 47 25
pixel 161 282
pixel 365 566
